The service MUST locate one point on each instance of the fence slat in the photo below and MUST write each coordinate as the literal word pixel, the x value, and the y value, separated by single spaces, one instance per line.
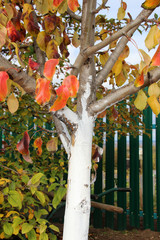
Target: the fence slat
pixel 158 170
pixel 121 196
pixel 134 181
pixel 109 218
pixel 148 172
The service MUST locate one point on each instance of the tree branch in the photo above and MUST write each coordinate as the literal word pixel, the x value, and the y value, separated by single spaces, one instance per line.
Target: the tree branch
pixel 120 47
pixel 102 6
pixel 122 93
pixel 73 15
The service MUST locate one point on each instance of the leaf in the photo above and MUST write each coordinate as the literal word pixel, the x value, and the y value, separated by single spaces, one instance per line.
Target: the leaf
pixel 40 196
pixel 10 213
pixel 12 33
pixel 52 50
pixel 63 7
pixel 120 79
pixel 3 85
pixel 35 179
pixel 42 6
pixel 73 5
pixel 153 37
pixel 3 34
pixel 1 197
pixel 18 55
pixel 75 40
pixel 124 54
pixel 56 3
pixel 43 236
pixel 50 68
pixel 54 228
pixel 38 144
pixel 139 80
pixel 151 4
pixel 52 145
pixel 33 65
pixel 42 40
pixel 145 56
pixel 154 104
pixel 12 103
pixel 14 199
pixel 117 68
pixel 72 83
pixel 156 58
pixel 59 194
pixel 141 100
pixel 121 13
pixel 26 227
pixel 31 235
pixel 43 91
pixel 23 145
pixel 7 228
pixel 154 90
pixel 50 23
pixel 63 95
pixel 104 57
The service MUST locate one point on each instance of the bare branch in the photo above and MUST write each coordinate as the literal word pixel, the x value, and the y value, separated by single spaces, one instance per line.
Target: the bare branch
pixel 102 6
pixel 67 116
pixel 120 47
pixel 120 94
pixel 73 15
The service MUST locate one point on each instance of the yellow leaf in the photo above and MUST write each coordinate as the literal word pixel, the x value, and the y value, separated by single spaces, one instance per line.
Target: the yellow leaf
pixel 75 40
pixel 10 213
pixel 146 57
pixel 63 7
pixel 124 54
pixel 103 34
pixel 4 180
pixel 154 90
pixel 117 68
pixel 16 229
pixel 141 100
pixel 154 104
pixel 104 57
pixel 153 37
pixel 120 79
pixel 2 236
pixel 1 198
pixel 1 215
pixel 12 103
pixel 18 55
pixel 52 145
pixel 121 13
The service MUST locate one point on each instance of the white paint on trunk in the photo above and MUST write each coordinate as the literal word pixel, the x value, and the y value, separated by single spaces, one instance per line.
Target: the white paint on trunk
pixel 77 211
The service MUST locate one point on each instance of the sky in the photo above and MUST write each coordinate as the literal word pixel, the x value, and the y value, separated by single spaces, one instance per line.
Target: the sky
pixel 134 8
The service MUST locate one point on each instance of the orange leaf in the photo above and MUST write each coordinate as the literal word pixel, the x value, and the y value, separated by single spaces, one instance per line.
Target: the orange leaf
pixel 43 93
pixel 50 68
pixel 38 144
pixel 73 5
pixel 3 85
pixel 63 95
pixel 56 3
pixel 151 4
pixel 33 65
pixel 156 58
pixel 72 83
pixel 139 80
pixel 23 145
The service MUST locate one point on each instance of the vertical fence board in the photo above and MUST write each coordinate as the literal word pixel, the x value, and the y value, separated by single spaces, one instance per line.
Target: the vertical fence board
pixel 158 170
pixel 134 181
pixel 148 172
pixel 109 199
pixel 121 196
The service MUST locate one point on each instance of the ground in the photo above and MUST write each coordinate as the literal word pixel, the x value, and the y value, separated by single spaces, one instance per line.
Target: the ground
pixel 108 234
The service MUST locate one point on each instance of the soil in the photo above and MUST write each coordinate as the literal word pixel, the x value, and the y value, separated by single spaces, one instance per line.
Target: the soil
pixel 108 234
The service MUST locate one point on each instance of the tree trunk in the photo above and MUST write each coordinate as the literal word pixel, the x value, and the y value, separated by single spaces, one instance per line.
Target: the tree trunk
pixel 77 213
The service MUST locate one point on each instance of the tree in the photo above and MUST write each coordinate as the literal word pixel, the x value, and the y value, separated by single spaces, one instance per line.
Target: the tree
pixel 43 30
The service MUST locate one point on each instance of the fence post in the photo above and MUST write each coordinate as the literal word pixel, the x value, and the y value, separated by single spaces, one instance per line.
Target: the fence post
pixel 147 172
pixel 134 181
pixel 109 162
pixel 121 196
pixel 158 170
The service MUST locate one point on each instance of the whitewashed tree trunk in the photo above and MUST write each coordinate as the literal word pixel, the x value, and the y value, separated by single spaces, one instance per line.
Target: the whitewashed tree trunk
pixel 77 211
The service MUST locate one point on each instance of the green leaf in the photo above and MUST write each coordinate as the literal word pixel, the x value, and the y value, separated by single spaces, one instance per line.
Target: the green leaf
pixel 17 221
pixel 14 199
pixel 31 235
pixel 43 236
pixel 26 227
pixel 36 178
pixel 54 228
pixel 40 196
pixel 7 228
pixel 58 196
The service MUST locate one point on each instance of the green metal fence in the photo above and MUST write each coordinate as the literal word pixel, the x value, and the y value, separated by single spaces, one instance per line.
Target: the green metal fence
pixel 142 205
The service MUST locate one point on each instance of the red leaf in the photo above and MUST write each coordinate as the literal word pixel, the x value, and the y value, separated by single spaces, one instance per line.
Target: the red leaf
pixel 56 3
pixel 139 80
pixel 63 95
pixel 12 33
pixel 33 65
pixel 43 92
pixel 3 85
pixel 23 145
pixel 73 5
pixel 50 68
pixel 72 83
pixel 156 58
